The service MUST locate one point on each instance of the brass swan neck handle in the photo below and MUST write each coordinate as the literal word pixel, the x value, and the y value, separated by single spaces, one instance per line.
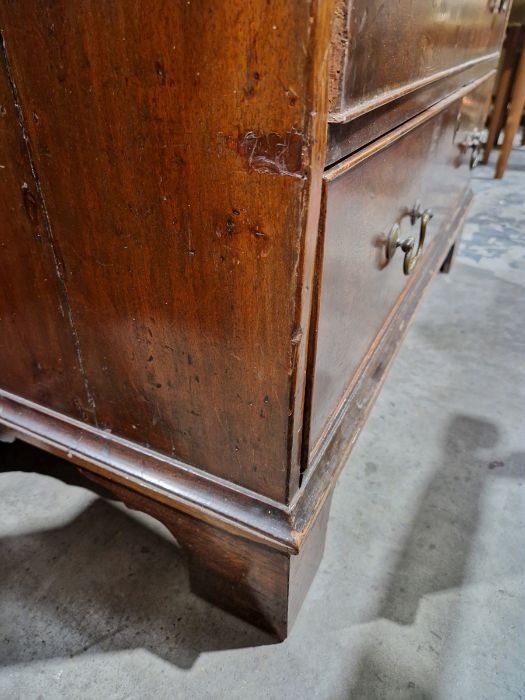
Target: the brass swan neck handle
pixel 408 245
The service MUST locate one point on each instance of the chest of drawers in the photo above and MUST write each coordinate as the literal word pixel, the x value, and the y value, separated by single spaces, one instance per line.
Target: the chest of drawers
pixel 218 218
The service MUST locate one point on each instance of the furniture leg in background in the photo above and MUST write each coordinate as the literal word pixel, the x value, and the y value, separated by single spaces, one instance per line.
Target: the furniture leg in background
pixel 504 89
pixel 517 104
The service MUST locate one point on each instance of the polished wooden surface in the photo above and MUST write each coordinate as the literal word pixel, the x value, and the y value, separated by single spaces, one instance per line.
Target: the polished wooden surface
pixel 391 48
pixel 331 454
pixel 38 357
pixel 365 197
pixel 264 586
pixel 346 138
pixel 473 112
pixel 186 292
pixel 173 268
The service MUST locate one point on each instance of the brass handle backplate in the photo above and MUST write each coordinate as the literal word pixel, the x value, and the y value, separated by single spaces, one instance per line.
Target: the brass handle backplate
pixel 408 245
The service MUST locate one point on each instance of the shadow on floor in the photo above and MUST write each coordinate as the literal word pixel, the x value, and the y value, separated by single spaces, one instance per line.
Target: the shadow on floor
pixel 102 583
pixel 437 549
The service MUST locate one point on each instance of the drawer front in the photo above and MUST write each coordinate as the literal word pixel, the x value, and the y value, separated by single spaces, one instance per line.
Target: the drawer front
pixel 383 50
pixel 345 139
pixel 471 135
pixel 364 198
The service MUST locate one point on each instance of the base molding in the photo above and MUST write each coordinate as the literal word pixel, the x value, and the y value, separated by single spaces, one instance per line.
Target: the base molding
pixel 161 478
pixel 251 580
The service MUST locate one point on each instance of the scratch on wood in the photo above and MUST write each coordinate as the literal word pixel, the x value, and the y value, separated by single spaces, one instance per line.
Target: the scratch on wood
pixel 252 76
pixel 277 154
pixel 297 335
pixel 30 205
pixel 48 228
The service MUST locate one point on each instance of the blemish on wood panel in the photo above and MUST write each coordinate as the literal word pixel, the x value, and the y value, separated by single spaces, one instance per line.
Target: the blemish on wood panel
pixel 230 226
pixel 291 95
pixel 256 231
pixel 161 73
pixel 63 303
pixel 252 76
pixel 30 204
pixel 235 226
pixel 276 154
pixel 297 335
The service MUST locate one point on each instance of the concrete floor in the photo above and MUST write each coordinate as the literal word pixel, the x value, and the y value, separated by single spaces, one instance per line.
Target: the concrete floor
pixel 421 593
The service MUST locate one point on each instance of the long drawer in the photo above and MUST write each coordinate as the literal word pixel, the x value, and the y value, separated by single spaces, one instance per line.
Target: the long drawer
pixel 378 194
pixel 384 50
pixel 347 138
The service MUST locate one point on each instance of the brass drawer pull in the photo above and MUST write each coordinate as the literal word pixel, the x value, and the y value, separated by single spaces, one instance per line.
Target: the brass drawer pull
pixel 475 140
pixel 408 245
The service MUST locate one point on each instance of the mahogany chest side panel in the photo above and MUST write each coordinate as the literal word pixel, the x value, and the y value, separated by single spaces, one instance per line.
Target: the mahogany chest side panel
pixel 39 358
pixel 173 145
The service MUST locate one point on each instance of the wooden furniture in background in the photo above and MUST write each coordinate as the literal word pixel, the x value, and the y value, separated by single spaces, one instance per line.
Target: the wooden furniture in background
pixel 218 218
pixel 509 101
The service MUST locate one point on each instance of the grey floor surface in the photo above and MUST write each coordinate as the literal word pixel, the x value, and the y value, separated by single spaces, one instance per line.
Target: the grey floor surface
pixel 421 593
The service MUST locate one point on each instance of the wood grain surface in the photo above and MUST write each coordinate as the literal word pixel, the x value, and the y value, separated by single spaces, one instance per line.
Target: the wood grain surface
pixel 392 48
pixel 346 138
pixel 177 155
pixel 365 197
pixel 193 311
pixel 39 359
